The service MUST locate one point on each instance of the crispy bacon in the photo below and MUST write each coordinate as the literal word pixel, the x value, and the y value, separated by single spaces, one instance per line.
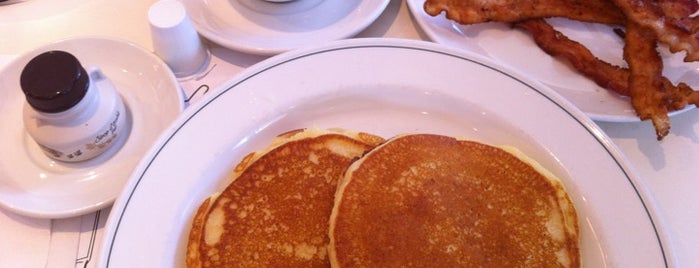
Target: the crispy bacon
pixel 556 44
pixel 475 11
pixel 669 20
pixel 652 95
pixel 648 95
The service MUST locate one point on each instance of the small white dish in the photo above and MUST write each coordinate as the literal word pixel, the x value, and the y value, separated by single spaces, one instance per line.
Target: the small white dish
pixel 34 185
pixel 374 85
pixel 268 28
pixel 516 49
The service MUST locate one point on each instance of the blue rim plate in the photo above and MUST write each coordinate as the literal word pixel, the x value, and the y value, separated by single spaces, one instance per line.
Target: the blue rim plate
pixel 386 87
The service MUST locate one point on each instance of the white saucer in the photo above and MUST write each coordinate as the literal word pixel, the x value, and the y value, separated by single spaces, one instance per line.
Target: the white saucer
pixel 266 28
pixel 34 185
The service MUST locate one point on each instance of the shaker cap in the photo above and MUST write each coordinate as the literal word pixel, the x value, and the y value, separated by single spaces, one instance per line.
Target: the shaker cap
pixel 54 81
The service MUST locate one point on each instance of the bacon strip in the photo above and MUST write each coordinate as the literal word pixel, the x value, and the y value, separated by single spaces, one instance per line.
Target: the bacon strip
pixel 558 45
pixel 646 21
pixel 645 82
pixel 652 94
pixel 475 11
pixel 670 21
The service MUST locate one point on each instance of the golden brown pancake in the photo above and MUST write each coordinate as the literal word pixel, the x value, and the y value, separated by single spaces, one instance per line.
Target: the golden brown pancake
pixel 275 212
pixel 435 201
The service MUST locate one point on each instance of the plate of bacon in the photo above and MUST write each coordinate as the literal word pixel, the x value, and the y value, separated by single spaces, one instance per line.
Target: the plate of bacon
pixel 617 60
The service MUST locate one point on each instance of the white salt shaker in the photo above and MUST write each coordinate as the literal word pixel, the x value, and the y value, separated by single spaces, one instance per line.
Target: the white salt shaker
pixel 72 114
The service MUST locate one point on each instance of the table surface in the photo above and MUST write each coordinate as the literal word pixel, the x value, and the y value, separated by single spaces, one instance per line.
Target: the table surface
pixel 667 168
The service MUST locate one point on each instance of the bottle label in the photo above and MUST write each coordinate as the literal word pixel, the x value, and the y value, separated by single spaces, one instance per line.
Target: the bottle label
pixel 94 146
pixel 104 139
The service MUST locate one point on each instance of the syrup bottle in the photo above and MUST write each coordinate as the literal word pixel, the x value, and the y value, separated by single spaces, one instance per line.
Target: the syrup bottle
pixel 72 114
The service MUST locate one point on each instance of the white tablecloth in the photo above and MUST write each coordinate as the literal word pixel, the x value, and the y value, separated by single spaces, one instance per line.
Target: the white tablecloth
pixel 668 168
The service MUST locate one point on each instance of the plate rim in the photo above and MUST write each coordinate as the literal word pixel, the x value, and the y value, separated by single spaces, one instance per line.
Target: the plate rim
pixel 641 192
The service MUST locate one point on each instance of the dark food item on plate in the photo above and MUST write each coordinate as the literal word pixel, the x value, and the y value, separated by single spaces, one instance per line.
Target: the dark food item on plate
pixel 477 11
pixel 646 22
pixel 671 21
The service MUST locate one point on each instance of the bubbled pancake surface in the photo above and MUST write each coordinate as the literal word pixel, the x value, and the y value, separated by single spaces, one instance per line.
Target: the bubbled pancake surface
pixel 275 212
pixel 434 201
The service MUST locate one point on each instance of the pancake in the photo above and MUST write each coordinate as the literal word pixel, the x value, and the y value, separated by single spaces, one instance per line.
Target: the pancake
pixel 435 201
pixel 275 211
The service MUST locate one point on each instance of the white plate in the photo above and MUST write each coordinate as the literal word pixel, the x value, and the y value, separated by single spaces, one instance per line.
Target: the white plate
pixel 32 184
pixel 516 49
pixel 261 27
pixel 375 85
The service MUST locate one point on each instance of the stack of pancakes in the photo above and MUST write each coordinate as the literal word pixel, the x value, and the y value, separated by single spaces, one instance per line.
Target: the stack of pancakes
pixel 343 199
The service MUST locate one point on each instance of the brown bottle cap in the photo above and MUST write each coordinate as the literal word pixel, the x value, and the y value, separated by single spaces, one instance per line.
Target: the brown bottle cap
pixel 54 81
